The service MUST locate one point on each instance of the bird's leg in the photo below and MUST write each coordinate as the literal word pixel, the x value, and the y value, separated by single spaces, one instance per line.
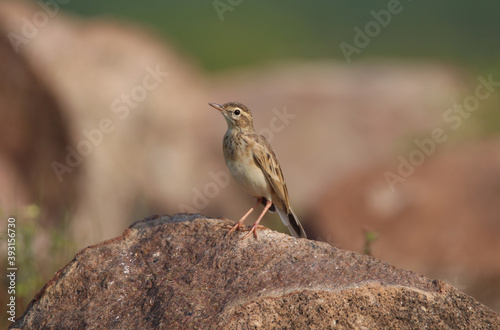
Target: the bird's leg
pixel 240 223
pixel 253 229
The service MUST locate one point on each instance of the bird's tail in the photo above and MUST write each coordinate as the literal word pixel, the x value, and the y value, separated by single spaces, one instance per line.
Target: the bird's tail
pixel 292 222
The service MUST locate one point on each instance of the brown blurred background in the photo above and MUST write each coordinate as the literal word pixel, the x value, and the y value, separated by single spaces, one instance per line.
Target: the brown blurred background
pixel 105 121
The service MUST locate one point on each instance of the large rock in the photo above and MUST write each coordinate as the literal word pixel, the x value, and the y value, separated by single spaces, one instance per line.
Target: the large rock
pixel 183 271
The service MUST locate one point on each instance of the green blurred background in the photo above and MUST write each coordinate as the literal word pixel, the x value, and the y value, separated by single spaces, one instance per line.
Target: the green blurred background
pixel 462 34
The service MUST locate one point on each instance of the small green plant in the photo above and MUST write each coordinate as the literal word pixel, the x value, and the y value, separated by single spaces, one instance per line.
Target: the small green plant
pixel 370 238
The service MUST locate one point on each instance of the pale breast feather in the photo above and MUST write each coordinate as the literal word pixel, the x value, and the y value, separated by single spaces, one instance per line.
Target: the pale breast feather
pixel 248 174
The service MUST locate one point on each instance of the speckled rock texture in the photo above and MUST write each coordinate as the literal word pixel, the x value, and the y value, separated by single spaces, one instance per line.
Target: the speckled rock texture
pixel 182 271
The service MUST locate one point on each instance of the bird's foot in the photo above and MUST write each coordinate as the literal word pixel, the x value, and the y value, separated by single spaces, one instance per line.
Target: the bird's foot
pixel 253 230
pixel 238 226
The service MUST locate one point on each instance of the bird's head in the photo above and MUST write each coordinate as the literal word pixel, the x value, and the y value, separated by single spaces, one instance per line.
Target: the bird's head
pixel 236 114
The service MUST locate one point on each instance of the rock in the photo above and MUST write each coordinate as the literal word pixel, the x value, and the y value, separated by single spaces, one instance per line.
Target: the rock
pixel 448 208
pixel 182 271
pixel 33 134
pixel 144 147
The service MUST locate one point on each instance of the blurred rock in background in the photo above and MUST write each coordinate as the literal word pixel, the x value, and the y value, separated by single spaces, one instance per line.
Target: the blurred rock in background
pixel 131 105
pixel 442 221
pixel 124 117
pixel 33 132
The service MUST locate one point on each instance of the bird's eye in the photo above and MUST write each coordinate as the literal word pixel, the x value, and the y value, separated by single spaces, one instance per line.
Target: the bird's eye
pixel 237 112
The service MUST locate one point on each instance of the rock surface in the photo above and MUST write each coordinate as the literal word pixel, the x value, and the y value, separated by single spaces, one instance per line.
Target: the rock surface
pixel 182 271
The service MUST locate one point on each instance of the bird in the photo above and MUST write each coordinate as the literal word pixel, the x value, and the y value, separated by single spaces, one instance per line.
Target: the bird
pixel 253 164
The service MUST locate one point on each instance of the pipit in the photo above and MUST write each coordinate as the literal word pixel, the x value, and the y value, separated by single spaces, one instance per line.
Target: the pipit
pixel 253 164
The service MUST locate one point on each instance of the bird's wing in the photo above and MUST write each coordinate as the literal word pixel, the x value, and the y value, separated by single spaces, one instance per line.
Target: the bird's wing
pixel 268 163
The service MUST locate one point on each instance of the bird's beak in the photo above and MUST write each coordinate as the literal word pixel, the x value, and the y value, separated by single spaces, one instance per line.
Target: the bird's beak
pixel 217 106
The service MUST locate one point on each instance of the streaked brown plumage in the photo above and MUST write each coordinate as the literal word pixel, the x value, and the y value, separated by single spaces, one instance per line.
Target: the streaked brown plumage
pixel 253 164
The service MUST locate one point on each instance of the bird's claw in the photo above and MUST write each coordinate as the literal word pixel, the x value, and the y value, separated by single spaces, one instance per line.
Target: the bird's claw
pixel 240 226
pixel 253 230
